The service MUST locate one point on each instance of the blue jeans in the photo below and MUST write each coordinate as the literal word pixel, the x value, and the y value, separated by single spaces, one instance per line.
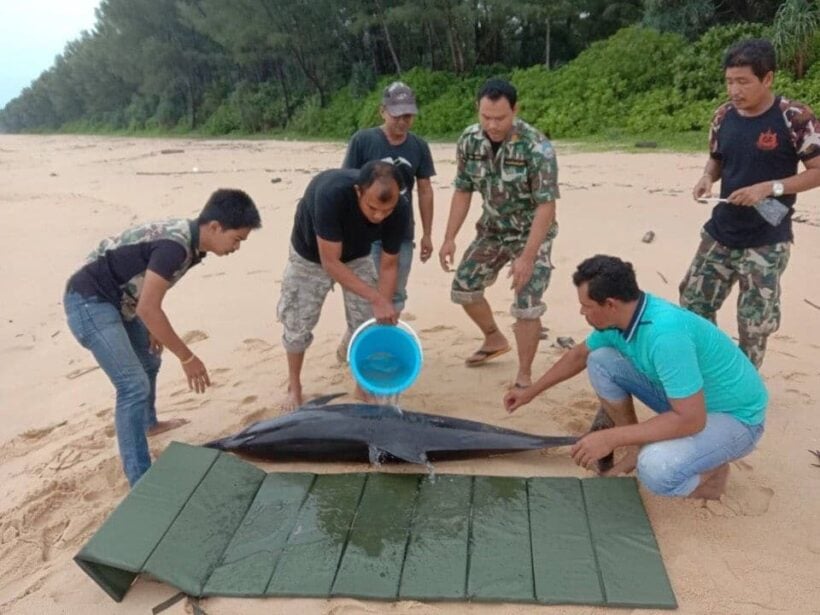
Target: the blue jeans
pixel 122 350
pixel 671 467
pixel 405 263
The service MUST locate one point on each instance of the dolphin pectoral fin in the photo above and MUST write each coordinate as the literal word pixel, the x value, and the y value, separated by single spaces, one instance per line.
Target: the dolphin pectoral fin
pixel 322 400
pixel 406 452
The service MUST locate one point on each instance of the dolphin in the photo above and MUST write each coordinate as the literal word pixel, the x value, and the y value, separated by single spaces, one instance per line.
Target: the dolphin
pixel 376 433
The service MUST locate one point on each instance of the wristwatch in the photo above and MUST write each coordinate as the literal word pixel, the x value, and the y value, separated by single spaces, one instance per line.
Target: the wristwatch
pixel 777 189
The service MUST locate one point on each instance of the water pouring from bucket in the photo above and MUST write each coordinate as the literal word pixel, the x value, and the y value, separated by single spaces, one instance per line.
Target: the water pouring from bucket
pixel 385 359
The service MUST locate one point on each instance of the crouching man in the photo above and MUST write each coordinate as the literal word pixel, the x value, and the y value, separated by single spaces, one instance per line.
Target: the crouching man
pixel 709 400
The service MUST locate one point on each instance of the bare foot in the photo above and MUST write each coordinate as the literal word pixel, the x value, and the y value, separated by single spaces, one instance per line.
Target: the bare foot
pixel 293 400
pixel 163 426
pixel 625 464
pixel 712 483
pixel 522 381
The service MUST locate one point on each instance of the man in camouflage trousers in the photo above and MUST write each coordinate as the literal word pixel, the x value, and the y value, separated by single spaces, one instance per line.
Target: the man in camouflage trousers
pixel 341 214
pixel 512 165
pixel 755 143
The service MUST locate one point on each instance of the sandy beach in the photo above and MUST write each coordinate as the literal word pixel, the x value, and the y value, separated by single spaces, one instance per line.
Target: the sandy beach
pixel 755 551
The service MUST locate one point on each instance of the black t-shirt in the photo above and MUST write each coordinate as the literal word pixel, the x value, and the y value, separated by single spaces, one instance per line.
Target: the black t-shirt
pixel 117 267
pixel 764 148
pixel 412 158
pixel 329 209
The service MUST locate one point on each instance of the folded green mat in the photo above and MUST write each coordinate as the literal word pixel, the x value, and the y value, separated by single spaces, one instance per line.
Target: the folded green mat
pixel 211 524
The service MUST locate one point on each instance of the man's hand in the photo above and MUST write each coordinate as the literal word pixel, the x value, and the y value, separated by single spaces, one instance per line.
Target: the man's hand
pixel 197 374
pixel 154 345
pixel 426 248
pixel 446 254
pixel 384 312
pixel 520 272
pixel 703 188
pixel 592 447
pixel 516 397
pixel 750 195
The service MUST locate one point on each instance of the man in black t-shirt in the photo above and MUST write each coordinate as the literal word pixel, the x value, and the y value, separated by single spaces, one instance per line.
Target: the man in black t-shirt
pixel 755 143
pixel 113 304
pixel 393 142
pixel 341 214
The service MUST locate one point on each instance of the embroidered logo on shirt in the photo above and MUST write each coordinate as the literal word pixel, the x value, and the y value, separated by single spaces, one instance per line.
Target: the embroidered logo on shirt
pixel 767 141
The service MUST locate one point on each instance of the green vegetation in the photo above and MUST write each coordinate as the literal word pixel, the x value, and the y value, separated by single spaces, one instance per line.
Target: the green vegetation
pixel 596 72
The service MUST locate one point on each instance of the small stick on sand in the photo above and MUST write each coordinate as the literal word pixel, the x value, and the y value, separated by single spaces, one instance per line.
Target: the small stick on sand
pixel 814 305
pixel 665 281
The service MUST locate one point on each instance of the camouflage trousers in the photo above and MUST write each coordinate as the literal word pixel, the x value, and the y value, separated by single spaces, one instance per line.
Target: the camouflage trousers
pixel 714 271
pixel 304 288
pixel 482 262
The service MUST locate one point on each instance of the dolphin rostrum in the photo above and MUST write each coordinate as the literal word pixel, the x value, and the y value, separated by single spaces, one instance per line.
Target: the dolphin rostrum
pixel 375 433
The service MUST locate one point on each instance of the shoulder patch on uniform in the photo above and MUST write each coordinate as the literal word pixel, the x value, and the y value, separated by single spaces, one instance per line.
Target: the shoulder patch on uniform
pixel 545 149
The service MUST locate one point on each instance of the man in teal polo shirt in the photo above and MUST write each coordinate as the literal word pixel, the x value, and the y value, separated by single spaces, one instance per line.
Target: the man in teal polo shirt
pixel 709 399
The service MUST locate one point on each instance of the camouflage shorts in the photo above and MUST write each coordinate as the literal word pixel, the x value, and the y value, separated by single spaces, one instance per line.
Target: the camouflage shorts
pixel 483 261
pixel 714 271
pixel 304 288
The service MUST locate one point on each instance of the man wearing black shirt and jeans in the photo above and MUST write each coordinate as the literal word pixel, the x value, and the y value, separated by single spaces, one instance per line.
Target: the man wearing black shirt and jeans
pixel 342 212
pixel 113 304
pixel 755 143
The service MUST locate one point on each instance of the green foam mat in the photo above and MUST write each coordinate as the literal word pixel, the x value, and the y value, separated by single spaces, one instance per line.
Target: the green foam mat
pixel 211 524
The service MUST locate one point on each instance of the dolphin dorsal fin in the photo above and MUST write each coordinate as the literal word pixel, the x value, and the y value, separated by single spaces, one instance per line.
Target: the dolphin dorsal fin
pixel 322 400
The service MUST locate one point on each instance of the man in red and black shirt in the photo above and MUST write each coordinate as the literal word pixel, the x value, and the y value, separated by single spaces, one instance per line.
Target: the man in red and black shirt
pixel 755 143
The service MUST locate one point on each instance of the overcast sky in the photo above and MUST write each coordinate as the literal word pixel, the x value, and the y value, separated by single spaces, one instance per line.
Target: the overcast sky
pixel 33 33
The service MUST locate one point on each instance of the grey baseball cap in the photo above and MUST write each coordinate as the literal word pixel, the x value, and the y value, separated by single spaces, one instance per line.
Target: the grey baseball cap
pixel 398 99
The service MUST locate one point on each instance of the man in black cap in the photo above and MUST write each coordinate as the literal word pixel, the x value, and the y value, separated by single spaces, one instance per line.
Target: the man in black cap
pixel 393 142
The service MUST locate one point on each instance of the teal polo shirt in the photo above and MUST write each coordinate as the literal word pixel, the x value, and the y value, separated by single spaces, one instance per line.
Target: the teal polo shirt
pixel 684 353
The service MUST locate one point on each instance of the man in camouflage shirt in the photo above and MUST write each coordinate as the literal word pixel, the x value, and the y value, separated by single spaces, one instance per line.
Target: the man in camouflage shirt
pixel 512 165
pixel 113 304
pixel 755 143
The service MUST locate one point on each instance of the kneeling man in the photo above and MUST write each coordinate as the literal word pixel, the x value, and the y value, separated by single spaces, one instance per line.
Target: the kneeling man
pixel 342 212
pixel 709 399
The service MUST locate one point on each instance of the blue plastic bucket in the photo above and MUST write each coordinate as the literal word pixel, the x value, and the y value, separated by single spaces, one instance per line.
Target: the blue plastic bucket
pixel 385 359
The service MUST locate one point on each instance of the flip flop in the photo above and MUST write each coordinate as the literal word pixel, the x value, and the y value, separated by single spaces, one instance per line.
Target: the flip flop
pixel 482 356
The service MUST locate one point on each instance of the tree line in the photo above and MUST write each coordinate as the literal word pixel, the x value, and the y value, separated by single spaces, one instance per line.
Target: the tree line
pixel 258 65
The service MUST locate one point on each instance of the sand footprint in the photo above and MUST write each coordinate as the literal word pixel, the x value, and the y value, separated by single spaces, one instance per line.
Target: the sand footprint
pixel 37 434
pixel 256 415
pixel 742 501
pixel 437 329
pixel 255 343
pixel 82 371
pixel 191 337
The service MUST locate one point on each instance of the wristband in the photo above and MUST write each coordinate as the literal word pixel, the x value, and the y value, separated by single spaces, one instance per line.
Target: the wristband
pixel 189 359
